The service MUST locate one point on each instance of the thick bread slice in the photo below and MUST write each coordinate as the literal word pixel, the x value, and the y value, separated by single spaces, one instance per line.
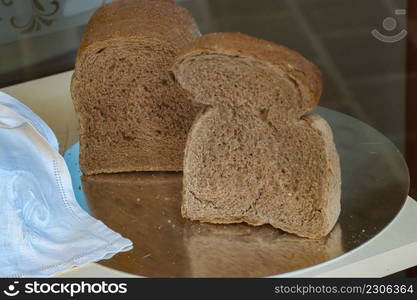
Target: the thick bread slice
pixel 255 154
pixel 133 116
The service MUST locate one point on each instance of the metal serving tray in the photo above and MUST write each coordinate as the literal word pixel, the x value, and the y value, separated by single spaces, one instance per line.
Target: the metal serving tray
pixel 145 207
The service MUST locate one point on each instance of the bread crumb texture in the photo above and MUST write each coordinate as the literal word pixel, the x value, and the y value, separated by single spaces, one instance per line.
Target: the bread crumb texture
pixel 133 115
pixel 256 154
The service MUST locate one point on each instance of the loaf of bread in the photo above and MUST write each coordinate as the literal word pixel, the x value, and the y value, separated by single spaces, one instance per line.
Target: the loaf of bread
pixel 133 117
pixel 256 153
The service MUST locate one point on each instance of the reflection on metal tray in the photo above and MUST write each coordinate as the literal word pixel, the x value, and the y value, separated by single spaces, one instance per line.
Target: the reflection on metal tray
pixel 145 207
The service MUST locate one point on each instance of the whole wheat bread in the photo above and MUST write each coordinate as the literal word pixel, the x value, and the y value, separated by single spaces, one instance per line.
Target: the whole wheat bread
pixel 133 117
pixel 256 154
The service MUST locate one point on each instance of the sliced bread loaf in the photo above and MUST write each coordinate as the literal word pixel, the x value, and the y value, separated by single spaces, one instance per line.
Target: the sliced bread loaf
pixel 256 154
pixel 133 117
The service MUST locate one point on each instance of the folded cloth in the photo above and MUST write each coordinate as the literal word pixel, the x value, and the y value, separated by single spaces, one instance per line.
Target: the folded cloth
pixel 43 230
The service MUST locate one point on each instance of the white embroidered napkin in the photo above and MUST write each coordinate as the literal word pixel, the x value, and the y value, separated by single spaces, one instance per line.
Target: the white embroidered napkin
pixel 43 230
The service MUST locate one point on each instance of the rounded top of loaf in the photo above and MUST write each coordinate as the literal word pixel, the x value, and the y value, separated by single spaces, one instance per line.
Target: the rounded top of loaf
pixel 237 44
pixel 155 19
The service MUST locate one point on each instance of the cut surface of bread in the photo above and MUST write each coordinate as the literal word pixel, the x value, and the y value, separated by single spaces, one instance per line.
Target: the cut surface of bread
pixel 256 154
pixel 133 116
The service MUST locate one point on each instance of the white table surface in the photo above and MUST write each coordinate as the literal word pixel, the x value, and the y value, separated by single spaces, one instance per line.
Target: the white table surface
pixel 392 250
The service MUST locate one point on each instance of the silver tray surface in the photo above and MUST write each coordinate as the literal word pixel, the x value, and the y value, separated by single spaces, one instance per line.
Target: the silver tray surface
pixel 145 207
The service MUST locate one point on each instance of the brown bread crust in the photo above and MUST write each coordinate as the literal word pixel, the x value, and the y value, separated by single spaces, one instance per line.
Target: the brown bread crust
pixel 157 19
